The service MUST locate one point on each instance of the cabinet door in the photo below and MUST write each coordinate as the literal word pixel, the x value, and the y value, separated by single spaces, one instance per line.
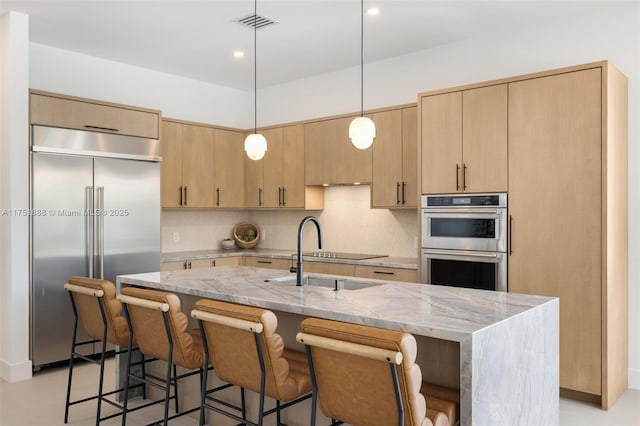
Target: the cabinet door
pixel 484 139
pixel 349 164
pixel 386 182
pixel 555 207
pixel 409 154
pixel 93 116
pixel 254 180
pixel 272 195
pixel 171 165
pixel 229 168
pixel 197 166
pixel 293 166
pixel 316 153
pixel 441 143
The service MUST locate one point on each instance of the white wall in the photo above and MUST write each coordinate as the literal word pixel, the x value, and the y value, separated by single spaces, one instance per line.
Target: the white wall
pixel 14 196
pixel 610 33
pixel 71 73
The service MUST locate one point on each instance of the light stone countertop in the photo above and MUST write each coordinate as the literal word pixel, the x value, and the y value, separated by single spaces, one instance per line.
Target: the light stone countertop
pixel 447 313
pixel 388 261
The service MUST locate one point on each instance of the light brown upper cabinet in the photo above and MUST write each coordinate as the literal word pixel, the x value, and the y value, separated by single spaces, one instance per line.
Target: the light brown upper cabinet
pixel 51 109
pixel 228 167
pixel 568 216
pixel 394 178
pixel 186 172
pixel 202 167
pixel 464 141
pixel 330 158
pixel 277 181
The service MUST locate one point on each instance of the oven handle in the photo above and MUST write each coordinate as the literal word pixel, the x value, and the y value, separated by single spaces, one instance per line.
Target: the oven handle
pixel 461 211
pixel 462 253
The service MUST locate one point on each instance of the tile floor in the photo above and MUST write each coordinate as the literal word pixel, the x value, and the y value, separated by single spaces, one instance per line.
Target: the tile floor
pixel 40 402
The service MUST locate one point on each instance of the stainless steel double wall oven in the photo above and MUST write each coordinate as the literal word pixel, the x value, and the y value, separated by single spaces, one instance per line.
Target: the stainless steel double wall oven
pixel 464 240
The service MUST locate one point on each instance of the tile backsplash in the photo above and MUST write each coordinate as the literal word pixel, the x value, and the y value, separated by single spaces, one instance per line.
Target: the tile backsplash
pixel 348 225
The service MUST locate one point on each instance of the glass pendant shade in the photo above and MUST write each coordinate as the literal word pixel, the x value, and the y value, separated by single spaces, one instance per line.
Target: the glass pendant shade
pixel 255 145
pixel 362 130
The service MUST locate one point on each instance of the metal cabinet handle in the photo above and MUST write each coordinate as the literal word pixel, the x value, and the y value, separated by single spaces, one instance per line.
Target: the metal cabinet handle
pixel 404 186
pixel 397 192
pixel 110 129
pixel 259 197
pixel 384 273
pixel 185 196
pixel 89 227
pixel 217 196
pixel 184 265
pixel 268 262
pixel 457 177
pixel 284 196
pixel 464 176
pixel 213 263
pixel 189 264
pixel 510 234
pixel 180 191
pixel 101 229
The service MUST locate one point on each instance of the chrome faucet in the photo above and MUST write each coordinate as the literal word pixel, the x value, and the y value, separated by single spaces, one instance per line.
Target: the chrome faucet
pixel 298 268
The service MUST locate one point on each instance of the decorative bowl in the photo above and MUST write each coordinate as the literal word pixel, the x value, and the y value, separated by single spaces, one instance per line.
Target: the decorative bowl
pixel 246 235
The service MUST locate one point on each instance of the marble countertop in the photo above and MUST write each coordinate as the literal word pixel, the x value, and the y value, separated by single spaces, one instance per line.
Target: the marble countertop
pixel 388 261
pixel 447 313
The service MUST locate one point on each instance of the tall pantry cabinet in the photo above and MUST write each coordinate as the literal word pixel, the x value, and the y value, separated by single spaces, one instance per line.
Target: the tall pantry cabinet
pixel 568 216
pixel 566 159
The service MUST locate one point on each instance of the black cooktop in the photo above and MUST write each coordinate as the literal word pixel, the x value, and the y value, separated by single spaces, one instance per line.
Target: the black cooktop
pixel 337 255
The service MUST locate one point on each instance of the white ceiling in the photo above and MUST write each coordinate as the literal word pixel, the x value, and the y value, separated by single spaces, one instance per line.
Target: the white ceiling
pixel 196 39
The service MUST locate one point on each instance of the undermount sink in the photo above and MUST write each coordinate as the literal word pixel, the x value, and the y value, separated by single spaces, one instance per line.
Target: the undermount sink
pixel 327 282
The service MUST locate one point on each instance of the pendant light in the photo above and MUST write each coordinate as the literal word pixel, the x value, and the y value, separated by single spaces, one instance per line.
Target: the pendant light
pixel 362 130
pixel 255 144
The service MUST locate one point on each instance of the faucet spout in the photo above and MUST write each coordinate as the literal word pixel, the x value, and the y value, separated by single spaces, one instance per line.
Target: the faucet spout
pixel 299 273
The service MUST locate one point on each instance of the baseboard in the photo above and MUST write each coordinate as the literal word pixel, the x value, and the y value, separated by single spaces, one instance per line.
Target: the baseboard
pixel 634 378
pixel 15 372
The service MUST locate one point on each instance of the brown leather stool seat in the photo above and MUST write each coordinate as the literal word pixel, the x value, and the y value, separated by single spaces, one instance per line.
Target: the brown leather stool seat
pixel 367 376
pixel 160 328
pixel 94 303
pixel 243 347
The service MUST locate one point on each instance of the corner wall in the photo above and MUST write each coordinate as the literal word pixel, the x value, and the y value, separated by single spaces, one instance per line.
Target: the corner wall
pixel 14 196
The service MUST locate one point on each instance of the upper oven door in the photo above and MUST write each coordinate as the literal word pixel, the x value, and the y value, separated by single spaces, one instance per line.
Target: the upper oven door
pixel 482 229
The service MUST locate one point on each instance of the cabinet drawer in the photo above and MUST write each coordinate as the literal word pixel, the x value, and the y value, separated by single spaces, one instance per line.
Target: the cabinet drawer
pixel 329 268
pixel 267 262
pixel 385 273
pixel 74 114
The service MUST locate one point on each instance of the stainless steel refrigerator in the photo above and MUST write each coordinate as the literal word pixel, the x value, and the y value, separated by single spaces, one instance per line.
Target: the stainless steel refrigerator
pixel 95 212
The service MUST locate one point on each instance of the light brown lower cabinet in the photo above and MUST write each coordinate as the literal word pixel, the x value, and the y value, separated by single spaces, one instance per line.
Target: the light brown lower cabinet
pixel 267 262
pixel 330 268
pixel 386 273
pixel 201 263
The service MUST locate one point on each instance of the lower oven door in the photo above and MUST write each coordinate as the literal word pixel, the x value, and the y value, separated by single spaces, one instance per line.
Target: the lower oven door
pixel 462 268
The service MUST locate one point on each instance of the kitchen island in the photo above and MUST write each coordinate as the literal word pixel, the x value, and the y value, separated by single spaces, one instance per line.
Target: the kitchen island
pixel 507 344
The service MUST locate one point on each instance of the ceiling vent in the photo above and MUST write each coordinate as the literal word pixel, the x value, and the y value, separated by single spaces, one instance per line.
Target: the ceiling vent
pixel 255 21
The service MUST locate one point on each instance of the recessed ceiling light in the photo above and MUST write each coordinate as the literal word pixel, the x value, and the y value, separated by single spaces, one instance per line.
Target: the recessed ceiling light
pixel 238 54
pixel 373 11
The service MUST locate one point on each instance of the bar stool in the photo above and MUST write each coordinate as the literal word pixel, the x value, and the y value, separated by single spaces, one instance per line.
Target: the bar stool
pixel 243 347
pixel 95 304
pixel 160 329
pixel 366 376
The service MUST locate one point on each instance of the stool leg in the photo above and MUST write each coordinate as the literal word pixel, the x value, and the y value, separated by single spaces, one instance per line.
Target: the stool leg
pixel 175 387
pixel 203 389
pixel 126 385
pixel 244 406
pixel 278 413
pixel 102 356
pixel 168 391
pixel 66 405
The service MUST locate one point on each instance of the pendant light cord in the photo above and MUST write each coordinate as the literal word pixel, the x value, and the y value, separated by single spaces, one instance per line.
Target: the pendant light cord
pixel 361 58
pixel 255 67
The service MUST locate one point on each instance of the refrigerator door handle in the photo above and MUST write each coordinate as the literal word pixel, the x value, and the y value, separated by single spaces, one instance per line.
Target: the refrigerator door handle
pixel 88 204
pixel 101 214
